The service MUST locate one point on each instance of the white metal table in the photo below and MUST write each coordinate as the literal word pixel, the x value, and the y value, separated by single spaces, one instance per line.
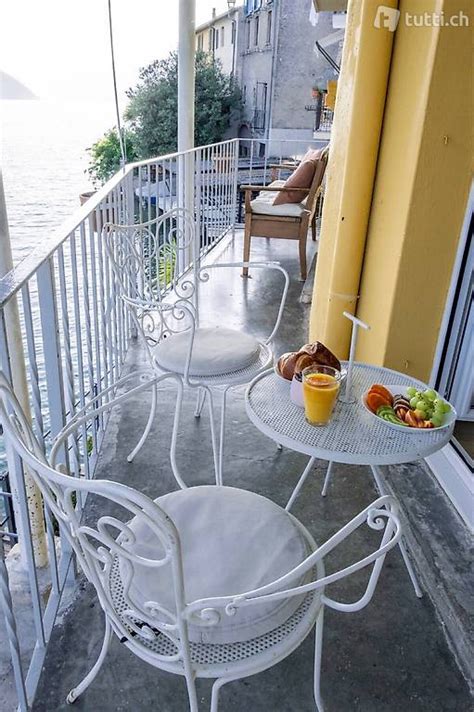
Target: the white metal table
pixel 353 436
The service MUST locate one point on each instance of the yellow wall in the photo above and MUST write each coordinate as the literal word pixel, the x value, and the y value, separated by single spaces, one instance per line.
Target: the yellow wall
pixel 355 136
pixel 419 197
pixel 421 189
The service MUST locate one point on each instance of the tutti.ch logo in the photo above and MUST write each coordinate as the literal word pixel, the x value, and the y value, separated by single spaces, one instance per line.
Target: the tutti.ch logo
pixel 387 17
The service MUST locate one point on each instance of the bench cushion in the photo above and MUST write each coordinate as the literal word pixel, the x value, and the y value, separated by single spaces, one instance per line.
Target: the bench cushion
pixel 302 177
pixel 232 541
pixel 216 350
pixel 264 204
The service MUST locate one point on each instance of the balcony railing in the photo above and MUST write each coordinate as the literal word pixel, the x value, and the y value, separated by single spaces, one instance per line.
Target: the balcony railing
pixel 75 334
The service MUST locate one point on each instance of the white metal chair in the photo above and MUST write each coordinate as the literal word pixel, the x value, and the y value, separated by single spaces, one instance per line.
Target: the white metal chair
pixel 150 565
pixel 157 270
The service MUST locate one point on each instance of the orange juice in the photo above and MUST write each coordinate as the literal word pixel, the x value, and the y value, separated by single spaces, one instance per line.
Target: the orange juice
pixel 320 390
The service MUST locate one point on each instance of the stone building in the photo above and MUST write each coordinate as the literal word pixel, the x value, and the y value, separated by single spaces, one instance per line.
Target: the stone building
pixel 265 44
pixel 219 36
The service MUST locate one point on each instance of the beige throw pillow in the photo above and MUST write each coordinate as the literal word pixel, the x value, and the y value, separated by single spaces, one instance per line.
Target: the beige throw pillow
pixel 302 177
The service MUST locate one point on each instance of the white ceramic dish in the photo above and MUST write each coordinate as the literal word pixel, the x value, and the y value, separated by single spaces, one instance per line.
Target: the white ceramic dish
pixel 449 418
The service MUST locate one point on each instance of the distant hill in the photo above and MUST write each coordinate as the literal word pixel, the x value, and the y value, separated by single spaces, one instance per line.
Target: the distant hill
pixel 11 88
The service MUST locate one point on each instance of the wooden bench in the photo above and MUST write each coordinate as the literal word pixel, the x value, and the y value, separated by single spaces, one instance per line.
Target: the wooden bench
pixel 288 221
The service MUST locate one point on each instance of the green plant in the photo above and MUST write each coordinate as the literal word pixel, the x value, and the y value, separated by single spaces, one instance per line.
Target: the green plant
pixel 105 155
pixel 153 107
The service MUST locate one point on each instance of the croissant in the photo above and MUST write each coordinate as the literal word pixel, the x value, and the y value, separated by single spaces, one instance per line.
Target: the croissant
pixel 309 355
pixel 286 364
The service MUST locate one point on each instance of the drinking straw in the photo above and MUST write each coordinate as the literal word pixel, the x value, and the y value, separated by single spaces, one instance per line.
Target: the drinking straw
pixel 346 398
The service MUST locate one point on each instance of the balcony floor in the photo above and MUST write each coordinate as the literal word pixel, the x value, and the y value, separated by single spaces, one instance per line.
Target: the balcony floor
pixel 391 656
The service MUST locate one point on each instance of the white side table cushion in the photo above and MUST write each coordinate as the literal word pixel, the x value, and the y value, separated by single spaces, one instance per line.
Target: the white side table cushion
pixel 216 350
pixel 232 541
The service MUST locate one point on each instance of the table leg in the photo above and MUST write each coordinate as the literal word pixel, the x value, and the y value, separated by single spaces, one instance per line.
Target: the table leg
pixel 327 479
pixel 300 482
pixel 403 548
pixel 222 433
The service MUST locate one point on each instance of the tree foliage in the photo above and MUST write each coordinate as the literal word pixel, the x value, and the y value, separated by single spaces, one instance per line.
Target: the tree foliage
pixel 153 105
pixel 105 155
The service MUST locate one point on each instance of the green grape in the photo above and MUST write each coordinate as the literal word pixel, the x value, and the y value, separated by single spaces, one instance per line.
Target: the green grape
pixel 413 401
pixel 420 405
pixel 411 391
pixel 430 394
pixel 446 407
pixel 437 420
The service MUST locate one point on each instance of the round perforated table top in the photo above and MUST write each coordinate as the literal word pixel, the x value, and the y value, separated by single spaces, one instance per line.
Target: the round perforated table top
pixel 353 436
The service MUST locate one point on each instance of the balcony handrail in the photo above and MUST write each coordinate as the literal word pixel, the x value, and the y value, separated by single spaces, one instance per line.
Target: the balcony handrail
pixel 13 281
pixel 176 154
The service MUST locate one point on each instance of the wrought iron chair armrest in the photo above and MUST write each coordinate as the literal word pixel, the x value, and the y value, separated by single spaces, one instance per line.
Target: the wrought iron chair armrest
pixel 255 265
pixel 274 591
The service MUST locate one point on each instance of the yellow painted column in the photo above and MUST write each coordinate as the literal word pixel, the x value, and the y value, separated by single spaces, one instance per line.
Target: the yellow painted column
pixel 421 189
pixel 350 177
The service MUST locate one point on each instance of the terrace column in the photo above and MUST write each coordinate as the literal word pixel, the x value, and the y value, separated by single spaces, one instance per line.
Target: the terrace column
pixel 186 75
pixel 186 54
pixel 18 378
pixel 355 137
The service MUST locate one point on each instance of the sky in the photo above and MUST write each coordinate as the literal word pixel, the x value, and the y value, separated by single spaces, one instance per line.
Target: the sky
pixel 60 48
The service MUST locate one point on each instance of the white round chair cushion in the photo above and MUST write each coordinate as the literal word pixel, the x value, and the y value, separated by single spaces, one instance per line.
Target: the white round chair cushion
pixel 216 350
pixel 232 541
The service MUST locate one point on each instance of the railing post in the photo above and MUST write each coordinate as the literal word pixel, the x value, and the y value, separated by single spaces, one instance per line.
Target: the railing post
pixel 24 491
pixel 15 370
pixel 6 604
pixel 52 362
pixel 51 346
pixel 235 188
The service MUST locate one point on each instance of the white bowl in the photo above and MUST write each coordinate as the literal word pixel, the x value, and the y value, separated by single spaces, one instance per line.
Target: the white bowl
pixel 296 392
pixel 449 418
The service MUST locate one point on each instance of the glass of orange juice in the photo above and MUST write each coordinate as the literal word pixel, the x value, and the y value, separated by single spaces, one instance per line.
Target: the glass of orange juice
pixel 320 390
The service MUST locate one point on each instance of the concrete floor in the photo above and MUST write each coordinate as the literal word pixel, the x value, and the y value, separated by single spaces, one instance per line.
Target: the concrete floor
pixel 391 656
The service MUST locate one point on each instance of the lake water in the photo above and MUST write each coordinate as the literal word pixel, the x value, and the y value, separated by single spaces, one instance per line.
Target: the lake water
pixel 44 163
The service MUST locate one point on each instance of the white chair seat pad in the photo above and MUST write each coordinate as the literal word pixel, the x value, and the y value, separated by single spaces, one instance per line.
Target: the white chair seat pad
pixel 216 350
pixel 263 203
pixel 232 541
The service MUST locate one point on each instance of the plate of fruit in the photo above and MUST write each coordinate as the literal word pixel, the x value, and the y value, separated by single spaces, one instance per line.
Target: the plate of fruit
pixel 409 408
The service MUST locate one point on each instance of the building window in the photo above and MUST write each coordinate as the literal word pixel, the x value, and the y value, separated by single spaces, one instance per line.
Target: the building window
pixel 248 34
pixel 255 36
pixel 269 27
pixel 210 40
pixel 222 36
pixel 260 106
pixel 216 39
pixel 233 32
